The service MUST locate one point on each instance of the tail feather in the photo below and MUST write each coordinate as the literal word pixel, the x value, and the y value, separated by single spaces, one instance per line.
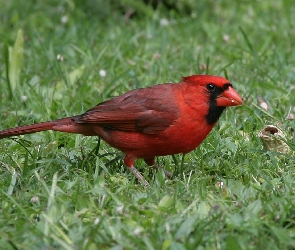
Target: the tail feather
pixel 65 125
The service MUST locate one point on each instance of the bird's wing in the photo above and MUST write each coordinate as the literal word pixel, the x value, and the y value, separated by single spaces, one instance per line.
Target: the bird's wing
pixel 149 111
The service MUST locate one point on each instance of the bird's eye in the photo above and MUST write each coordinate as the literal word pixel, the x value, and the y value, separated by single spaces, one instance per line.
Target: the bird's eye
pixel 210 87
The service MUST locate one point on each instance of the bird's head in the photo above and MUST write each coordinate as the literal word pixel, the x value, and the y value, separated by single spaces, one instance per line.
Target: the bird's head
pixel 216 91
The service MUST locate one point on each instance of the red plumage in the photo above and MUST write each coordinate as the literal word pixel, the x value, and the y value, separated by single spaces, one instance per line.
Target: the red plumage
pixel 143 123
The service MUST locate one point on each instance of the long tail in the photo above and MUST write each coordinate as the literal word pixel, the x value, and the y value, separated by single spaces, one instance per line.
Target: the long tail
pixel 63 125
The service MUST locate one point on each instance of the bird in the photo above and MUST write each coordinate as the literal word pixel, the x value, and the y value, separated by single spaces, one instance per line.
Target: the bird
pixel 164 119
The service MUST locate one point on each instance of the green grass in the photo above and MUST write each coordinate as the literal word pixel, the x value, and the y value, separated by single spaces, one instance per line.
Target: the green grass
pixel 63 191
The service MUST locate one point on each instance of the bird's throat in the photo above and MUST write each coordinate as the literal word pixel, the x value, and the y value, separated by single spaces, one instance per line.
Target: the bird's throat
pixel 214 113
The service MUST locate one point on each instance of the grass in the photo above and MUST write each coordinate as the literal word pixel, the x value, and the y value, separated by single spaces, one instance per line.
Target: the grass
pixel 63 191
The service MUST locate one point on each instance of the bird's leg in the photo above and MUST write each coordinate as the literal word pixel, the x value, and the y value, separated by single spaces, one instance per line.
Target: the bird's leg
pixel 139 176
pixel 166 172
pixel 129 162
pixel 151 162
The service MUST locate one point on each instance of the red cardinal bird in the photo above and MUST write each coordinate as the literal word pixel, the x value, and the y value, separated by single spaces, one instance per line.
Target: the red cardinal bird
pixel 165 119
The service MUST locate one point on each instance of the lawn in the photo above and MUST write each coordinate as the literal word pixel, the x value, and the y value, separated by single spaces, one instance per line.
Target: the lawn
pixel 66 191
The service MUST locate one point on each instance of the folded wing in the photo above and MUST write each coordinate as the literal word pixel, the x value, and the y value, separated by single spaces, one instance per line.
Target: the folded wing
pixel 140 110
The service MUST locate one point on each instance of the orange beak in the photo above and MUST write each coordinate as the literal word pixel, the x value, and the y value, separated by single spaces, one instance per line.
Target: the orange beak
pixel 229 97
